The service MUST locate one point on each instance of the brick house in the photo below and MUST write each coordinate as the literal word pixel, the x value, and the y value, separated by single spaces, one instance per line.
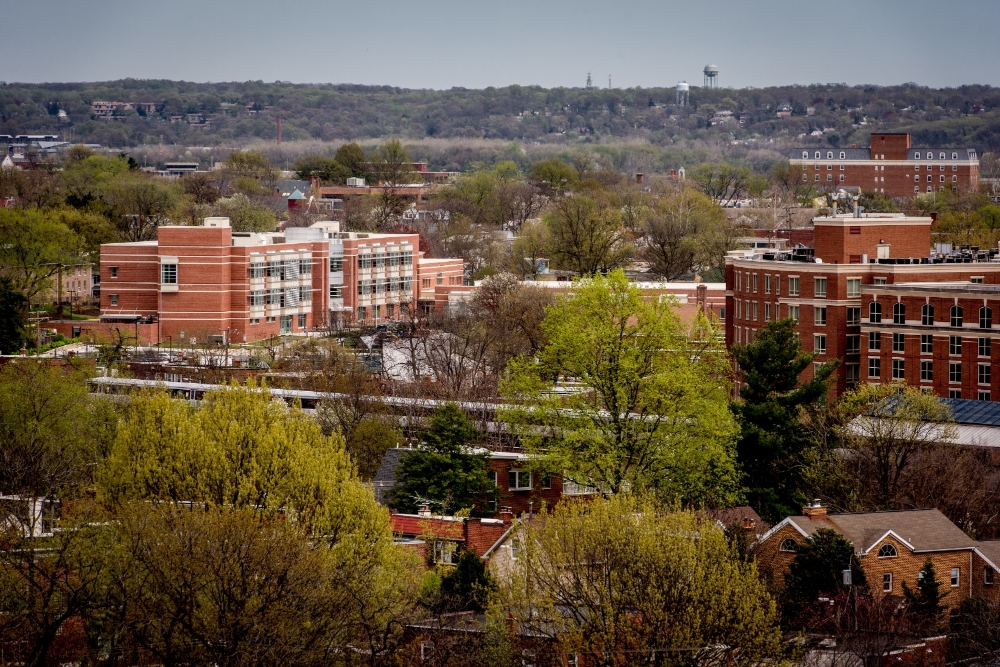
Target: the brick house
pixel 446 537
pixel 859 259
pixel 891 548
pixel 889 166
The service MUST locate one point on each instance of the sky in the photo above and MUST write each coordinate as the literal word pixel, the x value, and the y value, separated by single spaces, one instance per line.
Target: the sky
pixel 473 44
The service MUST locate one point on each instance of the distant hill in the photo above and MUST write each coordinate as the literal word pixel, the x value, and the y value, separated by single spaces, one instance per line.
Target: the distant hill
pixel 232 114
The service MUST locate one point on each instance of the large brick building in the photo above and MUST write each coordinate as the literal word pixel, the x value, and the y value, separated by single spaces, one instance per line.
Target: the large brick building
pixel 891 548
pixel 874 258
pixel 211 283
pixel 889 166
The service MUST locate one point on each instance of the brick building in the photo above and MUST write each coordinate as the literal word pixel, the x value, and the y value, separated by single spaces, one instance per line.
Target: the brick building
pixel 889 166
pixel 874 258
pixel 209 282
pixel 891 548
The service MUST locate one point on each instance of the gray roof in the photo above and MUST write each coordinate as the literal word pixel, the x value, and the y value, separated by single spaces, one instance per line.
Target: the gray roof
pixel 829 153
pixel 936 153
pixel 924 530
pixel 385 478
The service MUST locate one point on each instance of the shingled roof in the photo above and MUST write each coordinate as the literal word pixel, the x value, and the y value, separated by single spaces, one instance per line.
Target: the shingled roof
pixel 921 530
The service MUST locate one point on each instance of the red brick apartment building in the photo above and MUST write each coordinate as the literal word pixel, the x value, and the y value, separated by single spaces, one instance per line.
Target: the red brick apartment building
pixel 889 166
pixel 860 296
pixel 209 282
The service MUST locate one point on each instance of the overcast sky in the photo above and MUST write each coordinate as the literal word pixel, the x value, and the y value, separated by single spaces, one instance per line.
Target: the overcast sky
pixel 470 43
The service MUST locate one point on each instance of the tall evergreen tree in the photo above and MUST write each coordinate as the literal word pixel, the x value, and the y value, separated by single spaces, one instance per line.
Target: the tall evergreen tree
pixel 13 317
pixel 817 571
pixel 925 602
pixel 443 472
pixel 773 396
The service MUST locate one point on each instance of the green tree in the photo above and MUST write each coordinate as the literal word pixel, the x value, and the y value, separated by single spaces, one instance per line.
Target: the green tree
pixel 13 318
pixel 352 157
pixel 137 203
pixel 679 232
pixel 817 571
pixel 647 406
pixel 199 188
pixel 614 561
pixel 770 408
pixel 724 183
pixel 925 602
pixel 34 246
pixel 586 236
pixel 245 215
pixel 468 585
pixel 444 472
pixel 249 173
pixel 326 168
pixel 552 176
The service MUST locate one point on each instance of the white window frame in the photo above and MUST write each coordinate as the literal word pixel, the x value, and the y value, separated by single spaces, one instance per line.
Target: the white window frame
pixel 853 287
pixel 517 475
pixel 956 577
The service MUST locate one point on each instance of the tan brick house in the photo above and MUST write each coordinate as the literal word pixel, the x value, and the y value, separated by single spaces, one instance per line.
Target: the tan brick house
pixel 891 548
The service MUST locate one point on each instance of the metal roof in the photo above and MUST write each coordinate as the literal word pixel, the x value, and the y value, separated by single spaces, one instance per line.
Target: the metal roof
pixel 966 411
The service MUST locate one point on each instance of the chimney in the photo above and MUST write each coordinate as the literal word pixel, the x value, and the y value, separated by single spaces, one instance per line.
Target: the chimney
pixel 833 208
pixel 506 515
pixel 638 179
pixel 749 524
pixel 424 510
pixel 814 510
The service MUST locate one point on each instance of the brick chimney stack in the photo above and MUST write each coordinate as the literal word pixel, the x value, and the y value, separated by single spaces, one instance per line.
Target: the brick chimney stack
pixel 424 510
pixel 638 179
pixel 814 510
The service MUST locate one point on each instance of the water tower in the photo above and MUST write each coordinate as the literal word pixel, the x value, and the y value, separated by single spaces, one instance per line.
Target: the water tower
pixel 682 93
pixel 711 76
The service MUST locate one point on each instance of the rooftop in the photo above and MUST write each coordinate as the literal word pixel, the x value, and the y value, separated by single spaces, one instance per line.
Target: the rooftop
pixel 922 530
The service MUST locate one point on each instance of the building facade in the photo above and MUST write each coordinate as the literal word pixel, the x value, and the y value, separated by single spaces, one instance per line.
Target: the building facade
pixel 889 166
pixel 211 283
pixel 874 258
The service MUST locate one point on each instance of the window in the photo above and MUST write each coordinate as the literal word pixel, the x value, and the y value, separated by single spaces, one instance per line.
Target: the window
pixel 988 575
pixel 305 267
pixel 955 574
pixel 777 284
pixel 984 374
pixel 942 176
pixel 819 344
pixel 336 264
pixel 805 155
pixel 520 480
pixel 985 317
pixel 302 320
pixel 256 270
pixel 818 154
pixel 767 312
pixel 767 283
pixel 898 341
pixel 926 371
pixel 362 313
pixel 168 274
pixel 842 176
pixel 114 299
pixel 878 281
pixel 853 287
pixel 336 292
pixel 984 395
pixel 755 283
pixel 546 481
pixel 985 347
pixel 256 298
pixel 852 373
pixel 874 341
pixel 954 345
pixel 788 545
pixel 927 315
pixel 887 582
pixel 955 372
pixel 445 551
pixel 853 316
pixel 754 309
pixel 843 156
pixel 954 393
pixel 899 313
pixel 364 261
pixel 929 179
pixel 854 344
pixel 829 178
pixel 819 315
pixel 407 258
pixel 874 368
pixel 820 288
pixel 916 188
pixel 898 370
pixel 956 316
pixel 254 320
pixel 887 551
pixel 793 285
pixel 793 313
pixel 273 268
pixel 875 312
pixel 426 651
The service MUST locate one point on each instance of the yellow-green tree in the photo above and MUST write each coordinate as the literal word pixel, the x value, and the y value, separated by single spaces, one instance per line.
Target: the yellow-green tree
pixel 622 582
pixel 645 403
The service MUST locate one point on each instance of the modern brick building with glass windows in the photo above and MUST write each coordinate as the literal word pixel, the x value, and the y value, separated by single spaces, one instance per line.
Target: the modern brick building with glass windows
pixel 889 166
pixel 873 294
pixel 211 283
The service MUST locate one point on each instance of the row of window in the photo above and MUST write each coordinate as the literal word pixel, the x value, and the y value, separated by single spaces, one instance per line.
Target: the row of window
pixel 984 376
pixel 930 179
pixel 380 260
pixel 384 285
pixel 984 345
pixel 280 296
pixel 819 285
pixel 956 315
pixel 283 269
pixel 843 155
